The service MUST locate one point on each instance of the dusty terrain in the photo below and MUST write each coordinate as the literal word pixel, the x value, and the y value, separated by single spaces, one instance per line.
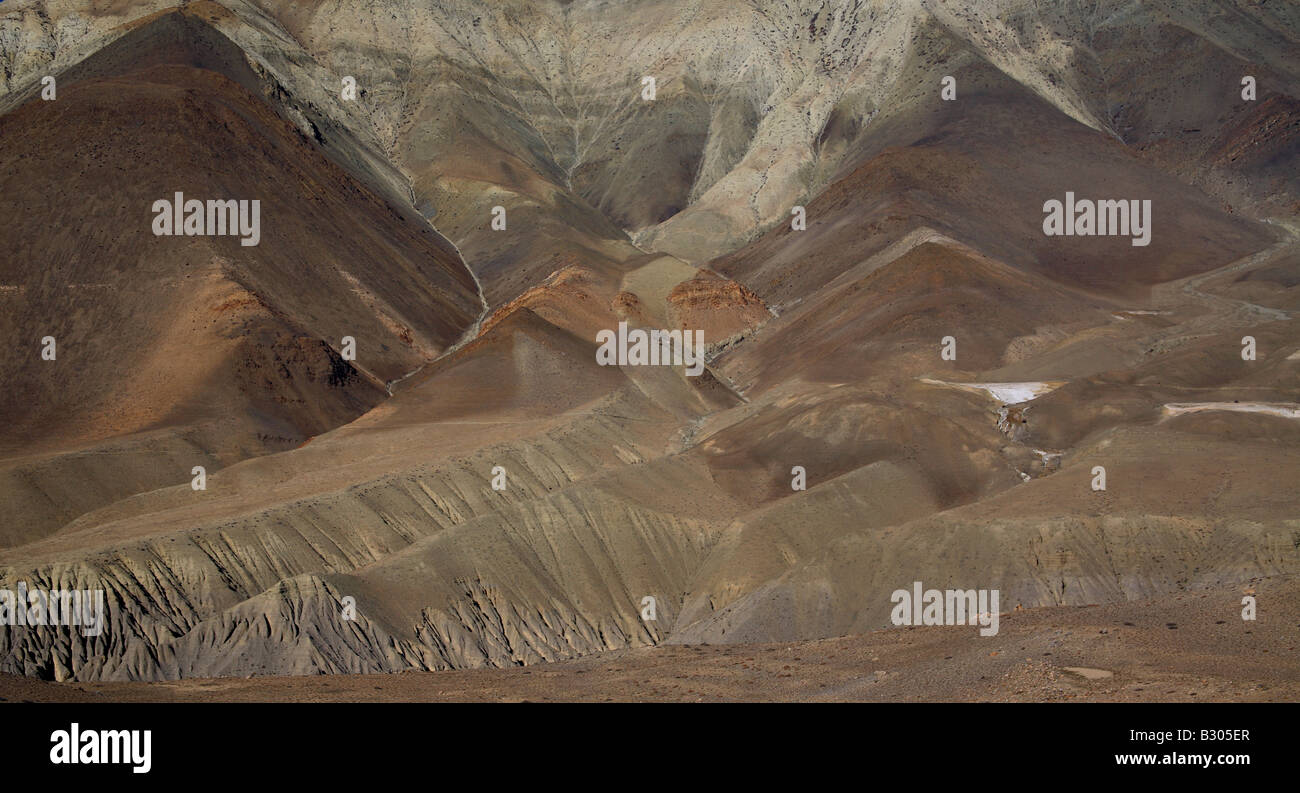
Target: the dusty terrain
pixel 370 482
pixel 1192 647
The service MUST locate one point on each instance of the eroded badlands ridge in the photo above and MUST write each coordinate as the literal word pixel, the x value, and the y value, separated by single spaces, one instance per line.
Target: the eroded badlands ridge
pixel 1174 648
pixel 368 483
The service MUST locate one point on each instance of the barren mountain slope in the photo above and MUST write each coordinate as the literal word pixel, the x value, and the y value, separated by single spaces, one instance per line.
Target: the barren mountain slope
pixel 177 351
pixel 476 485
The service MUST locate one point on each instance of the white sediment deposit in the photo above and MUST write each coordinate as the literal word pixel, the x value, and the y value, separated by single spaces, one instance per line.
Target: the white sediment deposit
pixel 1287 410
pixel 1006 393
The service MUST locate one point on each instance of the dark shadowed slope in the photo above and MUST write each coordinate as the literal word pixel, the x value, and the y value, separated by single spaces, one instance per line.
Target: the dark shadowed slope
pixel 178 351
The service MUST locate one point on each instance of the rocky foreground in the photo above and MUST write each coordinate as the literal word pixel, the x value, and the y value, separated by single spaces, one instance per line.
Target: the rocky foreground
pixel 1188 648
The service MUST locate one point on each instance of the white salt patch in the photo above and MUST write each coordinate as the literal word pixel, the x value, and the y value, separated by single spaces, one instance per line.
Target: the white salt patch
pixel 1287 410
pixel 1006 393
pixel 1128 315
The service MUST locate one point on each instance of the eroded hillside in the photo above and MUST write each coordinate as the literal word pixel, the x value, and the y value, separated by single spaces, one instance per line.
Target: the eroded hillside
pixel 474 489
